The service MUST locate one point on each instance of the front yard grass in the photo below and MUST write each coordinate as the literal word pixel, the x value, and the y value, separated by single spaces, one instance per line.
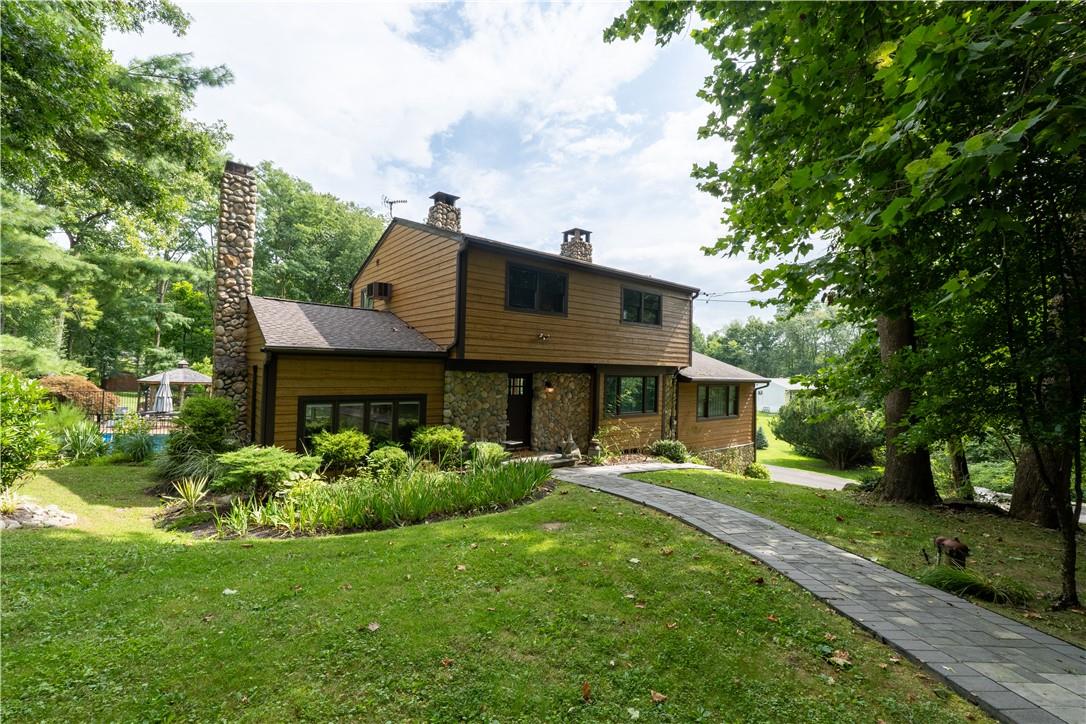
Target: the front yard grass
pixel 781 453
pixel 502 616
pixel 893 534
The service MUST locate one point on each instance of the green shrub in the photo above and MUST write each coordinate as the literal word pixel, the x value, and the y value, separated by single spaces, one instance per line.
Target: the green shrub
pixel 761 442
pixel 190 491
pixel 869 480
pixel 342 450
pixel 756 471
pixel 260 470
pixel 442 444
pixel 730 460
pixel 673 450
pixel 966 582
pixel 136 446
pixel 844 439
pixel 61 417
pixel 484 455
pixel 386 462
pixel 205 428
pixel 131 424
pixel 82 441
pixel 997 476
pixel 24 441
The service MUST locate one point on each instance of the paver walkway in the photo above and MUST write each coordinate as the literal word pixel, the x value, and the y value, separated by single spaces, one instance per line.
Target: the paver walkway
pixel 794 476
pixel 1012 671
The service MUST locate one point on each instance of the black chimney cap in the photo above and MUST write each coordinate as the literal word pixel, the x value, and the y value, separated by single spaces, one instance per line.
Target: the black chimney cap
pixel 238 168
pixel 574 232
pixel 443 198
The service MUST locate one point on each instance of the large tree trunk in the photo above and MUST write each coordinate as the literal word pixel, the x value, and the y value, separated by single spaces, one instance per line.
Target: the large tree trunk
pixel 1031 499
pixel 959 469
pixel 907 478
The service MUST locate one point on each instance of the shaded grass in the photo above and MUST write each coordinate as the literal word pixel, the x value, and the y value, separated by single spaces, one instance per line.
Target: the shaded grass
pixel 119 620
pixel 781 453
pixel 966 582
pixel 894 534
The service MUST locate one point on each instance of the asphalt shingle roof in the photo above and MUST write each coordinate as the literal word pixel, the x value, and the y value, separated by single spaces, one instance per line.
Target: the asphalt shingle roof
pixel 708 369
pixel 305 326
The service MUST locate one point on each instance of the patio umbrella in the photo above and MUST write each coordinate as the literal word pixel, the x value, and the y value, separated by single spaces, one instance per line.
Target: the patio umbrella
pixel 164 396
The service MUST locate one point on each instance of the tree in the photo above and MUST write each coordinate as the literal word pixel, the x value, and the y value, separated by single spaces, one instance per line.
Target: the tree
pixel 309 245
pixel 950 152
pixel 24 441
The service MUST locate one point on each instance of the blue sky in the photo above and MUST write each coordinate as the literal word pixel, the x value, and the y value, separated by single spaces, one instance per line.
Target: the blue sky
pixel 522 110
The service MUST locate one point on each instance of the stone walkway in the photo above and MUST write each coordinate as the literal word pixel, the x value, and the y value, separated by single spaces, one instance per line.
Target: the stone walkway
pixel 794 476
pixel 1012 671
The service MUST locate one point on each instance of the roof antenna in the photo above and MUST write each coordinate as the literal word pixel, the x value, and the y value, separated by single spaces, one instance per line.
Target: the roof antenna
pixel 390 203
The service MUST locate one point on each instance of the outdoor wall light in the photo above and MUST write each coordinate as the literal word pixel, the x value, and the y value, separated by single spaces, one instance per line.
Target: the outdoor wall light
pixel 548 386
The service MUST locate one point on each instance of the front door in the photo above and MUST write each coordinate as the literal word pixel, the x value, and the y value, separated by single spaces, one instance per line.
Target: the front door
pixel 519 410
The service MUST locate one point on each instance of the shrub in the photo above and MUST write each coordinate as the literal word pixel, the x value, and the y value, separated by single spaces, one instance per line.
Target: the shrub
pixel 204 430
pixel 442 444
pixel 260 470
pixel 761 442
pixel 386 462
pixel 191 491
pixel 61 417
pixel 966 582
pixel 83 441
pixel 483 455
pixel 730 460
pixel 673 450
pixel 756 471
pixel 842 438
pixel 81 392
pixel 344 449
pixel 136 446
pixel 24 441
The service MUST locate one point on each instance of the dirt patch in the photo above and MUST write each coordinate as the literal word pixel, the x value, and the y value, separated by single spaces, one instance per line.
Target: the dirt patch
pixel 551 527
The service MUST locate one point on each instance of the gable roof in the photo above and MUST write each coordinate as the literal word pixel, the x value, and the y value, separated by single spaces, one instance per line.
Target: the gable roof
pixel 704 368
pixel 504 247
pixel 308 327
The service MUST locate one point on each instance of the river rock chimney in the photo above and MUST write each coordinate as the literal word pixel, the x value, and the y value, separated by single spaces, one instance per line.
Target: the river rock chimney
pixel 233 284
pixel 444 214
pixel 576 244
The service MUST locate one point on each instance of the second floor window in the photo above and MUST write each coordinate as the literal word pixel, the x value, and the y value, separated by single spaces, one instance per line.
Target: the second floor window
pixel 536 290
pixel 642 307
pixel 629 395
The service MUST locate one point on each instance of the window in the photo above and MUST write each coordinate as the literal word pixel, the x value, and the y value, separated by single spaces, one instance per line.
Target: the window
pixel 641 307
pixel 629 395
pixel 382 418
pixel 717 401
pixel 536 290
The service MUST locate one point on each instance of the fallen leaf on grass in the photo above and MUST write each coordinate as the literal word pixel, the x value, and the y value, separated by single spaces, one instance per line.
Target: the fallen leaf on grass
pixel 821 495
pixel 841 658
pixel 657 697
pixel 346 587
pixel 666 552
pixel 229 592
pixel 839 519
pixel 296 587
pixel 895 659
pixel 673 625
pixel 373 626
pixel 585 564
pixel 772 618
pixel 884 666
pixel 474 546
pixel 1034 616
pixel 246 545
pixel 447 662
pixel 759 581
pixel 586 692
pixel 629 595
pixel 635 561
pixel 208 616
pixel 830 637
pixel 461 567
pixel 639 604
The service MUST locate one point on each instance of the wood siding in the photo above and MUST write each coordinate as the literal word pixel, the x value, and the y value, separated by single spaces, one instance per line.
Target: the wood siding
pixel 590 333
pixel 714 434
pixel 317 375
pixel 255 356
pixel 422 270
pixel 630 432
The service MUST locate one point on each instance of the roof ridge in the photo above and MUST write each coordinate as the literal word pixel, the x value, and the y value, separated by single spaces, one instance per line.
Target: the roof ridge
pixel 319 304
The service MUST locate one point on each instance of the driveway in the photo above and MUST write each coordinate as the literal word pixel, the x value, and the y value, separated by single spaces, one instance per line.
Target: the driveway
pixel 793 476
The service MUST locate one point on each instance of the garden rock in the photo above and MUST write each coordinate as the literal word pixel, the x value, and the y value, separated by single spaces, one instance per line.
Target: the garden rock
pixel 32 515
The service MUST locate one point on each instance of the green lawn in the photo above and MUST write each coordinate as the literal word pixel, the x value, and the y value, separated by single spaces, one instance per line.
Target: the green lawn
pixel 893 535
pixel 118 620
pixel 781 453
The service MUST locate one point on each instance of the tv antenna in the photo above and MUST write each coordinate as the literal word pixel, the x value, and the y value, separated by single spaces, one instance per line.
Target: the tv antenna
pixel 390 203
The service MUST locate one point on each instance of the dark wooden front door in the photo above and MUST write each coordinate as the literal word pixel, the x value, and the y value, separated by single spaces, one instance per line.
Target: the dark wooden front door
pixel 519 410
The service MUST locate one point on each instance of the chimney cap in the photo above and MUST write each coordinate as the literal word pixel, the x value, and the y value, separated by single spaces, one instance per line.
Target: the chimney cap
pixel 443 198
pixel 577 231
pixel 238 168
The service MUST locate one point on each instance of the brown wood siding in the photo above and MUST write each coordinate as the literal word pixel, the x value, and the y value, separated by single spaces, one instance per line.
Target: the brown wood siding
pixel 255 355
pixel 590 333
pixel 422 270
pixel 630 432
pixel 316 375
pixel 713 434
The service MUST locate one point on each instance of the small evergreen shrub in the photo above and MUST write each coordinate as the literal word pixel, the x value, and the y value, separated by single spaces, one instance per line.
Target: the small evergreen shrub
pixel 204 430
pixel 441 444
pixel 673 450
pixel 844 439
pixel 761 442
pixel 342 450
pixel 24 440
pixel 483 455
pixel 756 471
pixel 386 462
pixel 967 582
pixel 83 441
pixel 136 446
pixel 260 470
pixel 61 417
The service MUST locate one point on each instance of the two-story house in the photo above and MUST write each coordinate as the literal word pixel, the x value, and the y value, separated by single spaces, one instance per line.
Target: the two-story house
pixel 511 344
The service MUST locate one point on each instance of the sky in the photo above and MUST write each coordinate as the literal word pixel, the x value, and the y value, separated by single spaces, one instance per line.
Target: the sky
pixel 521 110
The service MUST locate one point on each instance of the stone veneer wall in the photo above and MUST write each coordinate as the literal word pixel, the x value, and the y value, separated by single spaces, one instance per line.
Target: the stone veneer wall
pixel 233 282
pixel 566 410
pixel 577 247
pixel 444 216
pixel 476 402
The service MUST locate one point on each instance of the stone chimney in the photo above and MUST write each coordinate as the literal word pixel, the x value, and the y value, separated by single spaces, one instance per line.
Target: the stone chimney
pixel 444 214
pixel 233 283
pixel 576 244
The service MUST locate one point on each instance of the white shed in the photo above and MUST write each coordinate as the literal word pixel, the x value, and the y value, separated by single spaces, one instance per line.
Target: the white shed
pixel 777 393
